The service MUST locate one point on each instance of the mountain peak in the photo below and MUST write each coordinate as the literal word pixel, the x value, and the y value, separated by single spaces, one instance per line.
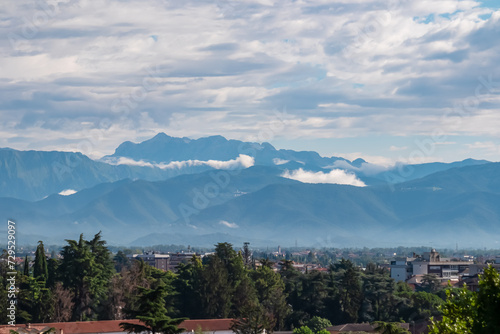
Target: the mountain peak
pixel 358 162
pixel 161 135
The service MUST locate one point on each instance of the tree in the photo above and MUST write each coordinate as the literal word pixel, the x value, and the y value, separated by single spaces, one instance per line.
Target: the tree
pixel 247 255
pixel 217 289
pixel 188 285
pixel 76 271
pixel 488 302
pixel 471 312
pixel 308 297
pixel 53 278
pixel 459 313
pixel 303 330
pixel 86 269
pixel 123 301
pixel 253 321
pixel 244 298
pixel 219 280
pixel 389 328
pixel 121 261
pixel 350 293
pixel 316 324
pixel 271 295
pixel 41 301
pixel 40 269
pixel 378 303
pixel 153 313
pixel 430 283
pixel 26 266
pixel 63 303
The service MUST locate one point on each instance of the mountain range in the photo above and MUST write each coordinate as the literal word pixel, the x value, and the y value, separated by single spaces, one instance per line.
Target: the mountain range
pixel 170 190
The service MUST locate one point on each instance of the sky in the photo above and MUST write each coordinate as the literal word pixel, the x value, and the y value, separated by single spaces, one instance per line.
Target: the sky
pixel 392 80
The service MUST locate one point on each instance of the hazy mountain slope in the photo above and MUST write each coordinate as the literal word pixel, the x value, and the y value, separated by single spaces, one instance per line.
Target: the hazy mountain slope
pixel 405 173
pixel 127 207
pixel 484 177
pixel 255 203
pixel 301 211
pixel 33 175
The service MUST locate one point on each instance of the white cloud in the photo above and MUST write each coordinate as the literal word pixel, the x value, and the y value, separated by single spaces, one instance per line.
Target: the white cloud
pixel 67 192
pixel 398 148
pixel 365 168
pixel 278 161
pixel 336 176
pixel 228 224
pixel 243 161
pixel 483 146
pixel 345 69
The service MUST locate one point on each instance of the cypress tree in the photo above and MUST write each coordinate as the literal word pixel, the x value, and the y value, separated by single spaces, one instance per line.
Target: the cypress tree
pixel 40 270
pixel 26 269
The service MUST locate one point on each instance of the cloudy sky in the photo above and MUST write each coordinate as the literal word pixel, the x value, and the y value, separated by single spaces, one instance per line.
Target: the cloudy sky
pixel 384 80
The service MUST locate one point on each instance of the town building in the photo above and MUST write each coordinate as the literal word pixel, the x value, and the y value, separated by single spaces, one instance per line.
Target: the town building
pixel 159 261
pixel 414 268
pixel 165 262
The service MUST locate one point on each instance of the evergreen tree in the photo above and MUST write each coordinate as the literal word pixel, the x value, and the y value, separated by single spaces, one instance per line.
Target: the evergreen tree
pixel 121 261
pixel 217 290
pixel 26 266
pixel 86 269
pixel 378 289
pixel 40 269
pixel 244 297
pixel 41 301
pixel 247 255
pixel 253 321
pixel 52 265
pixel 188 285
pixel 153 314
pixel 271 294
pixel 350 294
pixel 430 283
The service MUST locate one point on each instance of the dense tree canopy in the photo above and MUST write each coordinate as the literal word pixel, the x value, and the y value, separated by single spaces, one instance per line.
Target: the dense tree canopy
pixel 87 283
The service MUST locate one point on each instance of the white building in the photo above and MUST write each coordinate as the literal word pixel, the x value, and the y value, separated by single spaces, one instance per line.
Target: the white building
pixel 429 263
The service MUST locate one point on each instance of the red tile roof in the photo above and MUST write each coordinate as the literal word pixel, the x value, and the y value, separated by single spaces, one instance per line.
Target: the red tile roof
pixel 208 325
pixel 22 329
pixel 110 326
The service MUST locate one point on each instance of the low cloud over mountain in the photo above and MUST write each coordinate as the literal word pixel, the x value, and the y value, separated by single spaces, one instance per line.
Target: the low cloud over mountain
pixel 335 176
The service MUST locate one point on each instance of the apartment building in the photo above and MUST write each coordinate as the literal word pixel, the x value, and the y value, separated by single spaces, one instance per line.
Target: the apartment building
pixel 431 262
pixel 165 262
